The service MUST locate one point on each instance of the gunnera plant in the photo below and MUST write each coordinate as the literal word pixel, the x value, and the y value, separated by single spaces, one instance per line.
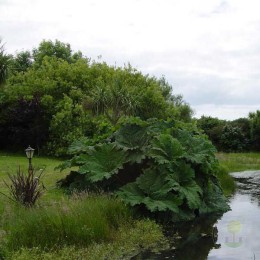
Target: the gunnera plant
pixel 166 168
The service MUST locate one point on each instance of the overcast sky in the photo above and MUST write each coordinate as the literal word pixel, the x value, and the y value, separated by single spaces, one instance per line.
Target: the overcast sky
pixel 208 50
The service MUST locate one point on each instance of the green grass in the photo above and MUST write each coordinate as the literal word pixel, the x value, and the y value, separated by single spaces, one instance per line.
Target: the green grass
pixel 61 227
pixel 79 221
pixel 236 162
pixel 9 164
pixel 130 238
pixel 226 181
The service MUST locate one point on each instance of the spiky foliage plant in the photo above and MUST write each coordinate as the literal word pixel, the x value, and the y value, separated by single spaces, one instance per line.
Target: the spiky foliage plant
pixel 25 189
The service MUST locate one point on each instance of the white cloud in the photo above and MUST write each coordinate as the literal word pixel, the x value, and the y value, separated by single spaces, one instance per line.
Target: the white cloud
pixel 228 112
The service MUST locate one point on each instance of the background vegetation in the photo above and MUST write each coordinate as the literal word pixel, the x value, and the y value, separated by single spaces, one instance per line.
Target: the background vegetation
pixel 51 96
pixel 240 135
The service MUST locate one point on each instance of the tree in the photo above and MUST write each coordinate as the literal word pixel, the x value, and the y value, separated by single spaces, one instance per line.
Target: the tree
pixel 254 118
pixel 233 139
pixel 104 93
pixel 4 61
pixel 212 127
pixel 21 62
pixel 55 49
pixel 113 101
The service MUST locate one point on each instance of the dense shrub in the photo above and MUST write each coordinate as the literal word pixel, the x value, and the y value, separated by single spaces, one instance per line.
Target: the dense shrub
pixel 229 136
pixel 163 167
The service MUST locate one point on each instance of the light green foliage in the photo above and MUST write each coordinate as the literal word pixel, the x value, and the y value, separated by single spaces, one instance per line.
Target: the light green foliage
pixel 236 162
pixel 68 85
pixel 226 180
pixel 55 49
pixel 169 169
pixel 79 221
pixel 67 125
pixel 130 239
pixel 21 62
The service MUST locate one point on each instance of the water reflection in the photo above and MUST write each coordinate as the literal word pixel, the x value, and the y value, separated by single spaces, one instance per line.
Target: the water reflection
pixel 235 235
pixel 242 240
pixel 189 240
pixel 197 238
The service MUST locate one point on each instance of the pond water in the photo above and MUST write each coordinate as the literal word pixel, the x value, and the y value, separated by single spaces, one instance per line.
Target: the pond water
pixel 235 235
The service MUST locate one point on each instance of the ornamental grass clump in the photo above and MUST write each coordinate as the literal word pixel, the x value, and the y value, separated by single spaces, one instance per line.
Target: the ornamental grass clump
pixel 25 189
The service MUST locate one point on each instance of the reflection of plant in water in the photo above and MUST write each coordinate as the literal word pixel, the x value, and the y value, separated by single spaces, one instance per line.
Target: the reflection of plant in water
pixel 198 237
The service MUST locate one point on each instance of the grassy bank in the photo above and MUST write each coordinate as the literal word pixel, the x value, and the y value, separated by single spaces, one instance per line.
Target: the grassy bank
pixel 60 227
pixel 236 162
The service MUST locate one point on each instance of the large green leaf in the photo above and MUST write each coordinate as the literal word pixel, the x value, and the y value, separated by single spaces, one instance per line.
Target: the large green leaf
pixel 197 149
pixel 131 194
pixel 158 127
pixel 131 137
pixel 150 181
pixel 80 146
pixel 170 202
pixel 181 173
pixel 102 162
pixel 165 149
pixel 192 194
pixel 213 198
pixel 182 181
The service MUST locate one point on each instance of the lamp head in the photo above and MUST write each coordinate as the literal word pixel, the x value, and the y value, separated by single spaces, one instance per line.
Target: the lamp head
pixel 29 152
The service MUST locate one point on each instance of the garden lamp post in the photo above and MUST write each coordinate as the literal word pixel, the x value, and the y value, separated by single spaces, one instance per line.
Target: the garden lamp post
pixel 29 153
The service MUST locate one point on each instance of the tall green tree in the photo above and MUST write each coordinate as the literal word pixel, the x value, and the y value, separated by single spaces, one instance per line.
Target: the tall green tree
pixel 21 62
pixel 4 62
pixel 254 118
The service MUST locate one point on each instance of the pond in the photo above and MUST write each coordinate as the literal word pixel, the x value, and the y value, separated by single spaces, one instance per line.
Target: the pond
pixel 235 235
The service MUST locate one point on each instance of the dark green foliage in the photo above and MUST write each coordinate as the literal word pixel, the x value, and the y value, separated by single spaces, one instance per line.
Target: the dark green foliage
pixel 155 166
pixel 213 128
pixel 255 129
pixel 228 136
pixel 24 121
pixel 233 139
